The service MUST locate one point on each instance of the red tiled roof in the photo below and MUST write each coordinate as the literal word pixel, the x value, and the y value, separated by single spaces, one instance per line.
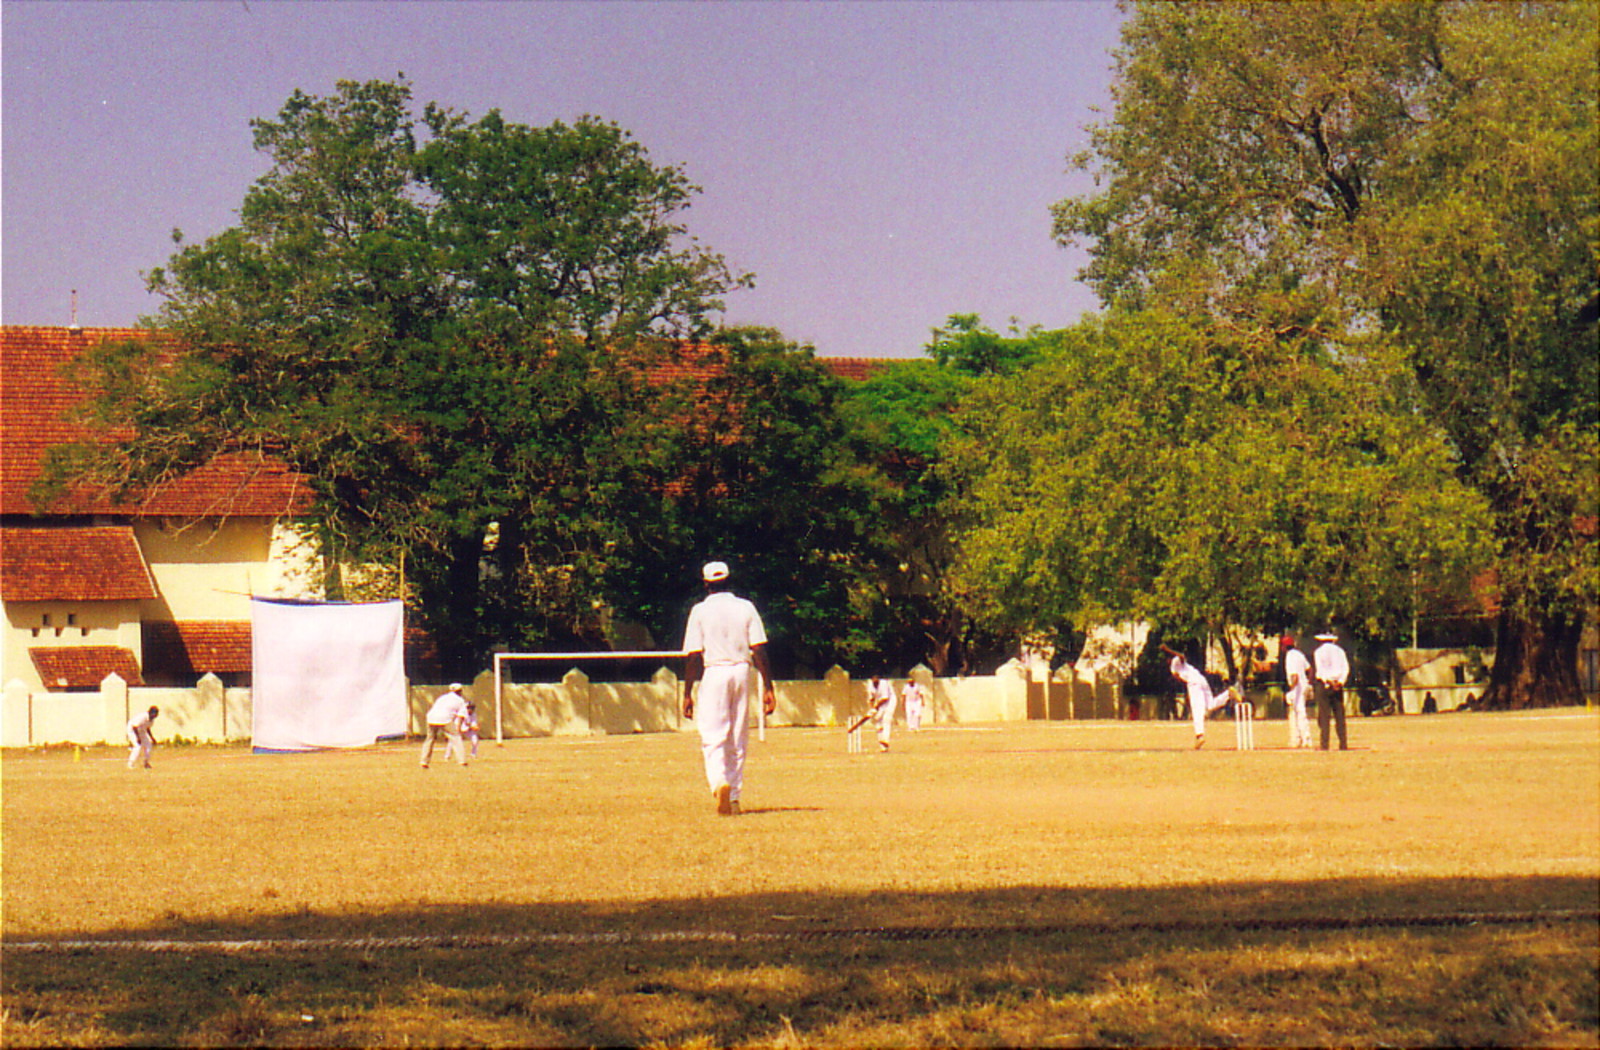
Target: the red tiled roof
pixel 73 564
pixel 856 368
pixel 39 402
pixel 40 399
pixel 79 668
pixel 197 647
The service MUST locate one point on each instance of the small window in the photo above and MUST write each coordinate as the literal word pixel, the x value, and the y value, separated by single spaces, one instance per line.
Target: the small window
pixel 45 620
pixel 36 632
pixel 84 631
pixel 72 619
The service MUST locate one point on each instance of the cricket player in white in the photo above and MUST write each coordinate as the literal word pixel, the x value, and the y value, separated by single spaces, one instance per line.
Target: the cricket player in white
pixel 1297 671
pixel 881 701
pixel 444 719
pixel 912 698
pixel 1201 700
pixel 142 738
pixel 723 639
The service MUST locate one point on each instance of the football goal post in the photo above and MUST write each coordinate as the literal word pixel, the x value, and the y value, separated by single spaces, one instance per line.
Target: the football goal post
pixel 502 659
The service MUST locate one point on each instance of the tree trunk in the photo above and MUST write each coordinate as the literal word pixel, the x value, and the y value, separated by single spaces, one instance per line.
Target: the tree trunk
pixel 460 637
pixel 332 570
pixel 1535 662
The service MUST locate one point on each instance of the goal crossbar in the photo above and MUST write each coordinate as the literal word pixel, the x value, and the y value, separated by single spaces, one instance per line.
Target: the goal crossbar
pixel 500 659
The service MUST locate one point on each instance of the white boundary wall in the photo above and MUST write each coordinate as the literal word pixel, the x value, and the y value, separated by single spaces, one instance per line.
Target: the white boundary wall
pixel 575 706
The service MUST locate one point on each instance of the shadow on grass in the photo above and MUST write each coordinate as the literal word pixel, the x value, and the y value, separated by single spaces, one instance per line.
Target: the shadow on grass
pixel 1049 965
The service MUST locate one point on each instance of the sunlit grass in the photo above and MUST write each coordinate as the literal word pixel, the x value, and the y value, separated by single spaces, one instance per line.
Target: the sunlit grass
pixel 1096 831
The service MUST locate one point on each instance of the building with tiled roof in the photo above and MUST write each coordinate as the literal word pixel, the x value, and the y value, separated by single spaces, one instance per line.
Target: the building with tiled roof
pixel 81 668
pixel 157 588
pixel 93 563
pixel 86 579
pixel 41 405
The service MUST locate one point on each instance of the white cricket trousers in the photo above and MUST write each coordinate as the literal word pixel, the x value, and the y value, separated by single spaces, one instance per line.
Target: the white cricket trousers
pixel 886 720
pixel 139 749
pixel 722 713
pixel 1299 721
pixel 1202 703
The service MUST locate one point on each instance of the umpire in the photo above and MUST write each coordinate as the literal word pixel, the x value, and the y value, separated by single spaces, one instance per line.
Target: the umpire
pixel 1330 669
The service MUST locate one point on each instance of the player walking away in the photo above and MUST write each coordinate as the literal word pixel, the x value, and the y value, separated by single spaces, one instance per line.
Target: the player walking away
pixel 142 738
pixel 723 638
pixel 444 719
pixel 1297 673
pixel 880 701
pixel 1201 699
pixel 912 697
pixel 1330 671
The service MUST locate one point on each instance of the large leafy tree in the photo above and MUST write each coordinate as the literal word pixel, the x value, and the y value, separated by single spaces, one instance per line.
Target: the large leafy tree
pixel 900 419
pixel 756 467
pixel 1151 467
pixel 452 339
pixel 1419 176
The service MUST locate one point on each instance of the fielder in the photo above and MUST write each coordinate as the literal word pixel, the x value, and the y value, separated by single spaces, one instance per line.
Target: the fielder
pixel 1201 700
pixel 444 719
pixel 912 696
pixel 142 738
pixel 1297 672
pixel 723 639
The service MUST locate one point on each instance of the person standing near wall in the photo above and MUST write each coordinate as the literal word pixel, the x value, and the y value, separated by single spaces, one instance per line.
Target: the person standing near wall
pixel 444 719
pixel 142 738
pixel 1297 675
pixel 724 638
pixel 912 697
pixel 1330 671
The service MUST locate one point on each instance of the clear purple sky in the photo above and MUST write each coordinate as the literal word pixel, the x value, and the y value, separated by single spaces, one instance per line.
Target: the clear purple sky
pixel 878 166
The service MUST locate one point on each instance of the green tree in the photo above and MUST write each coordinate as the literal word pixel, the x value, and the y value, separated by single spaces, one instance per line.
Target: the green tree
pixel 968 346
pixel 1150 468
pixel 565 229
pixel 756 468
pixel 1416 175
pixel 451 340
pixel 901 420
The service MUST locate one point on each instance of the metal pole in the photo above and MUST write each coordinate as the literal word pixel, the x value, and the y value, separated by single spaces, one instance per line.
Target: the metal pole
pixel 499 704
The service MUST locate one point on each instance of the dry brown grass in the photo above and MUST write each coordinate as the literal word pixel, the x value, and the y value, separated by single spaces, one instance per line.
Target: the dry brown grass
pixel 1088 835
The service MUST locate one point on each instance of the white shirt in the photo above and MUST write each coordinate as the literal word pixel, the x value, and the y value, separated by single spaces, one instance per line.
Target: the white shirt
pixel 1186 671
pixel 449 707
pixel 1332 665
pixel 879 692
pixel 724 627
pixel 1295 663
pixel 139 728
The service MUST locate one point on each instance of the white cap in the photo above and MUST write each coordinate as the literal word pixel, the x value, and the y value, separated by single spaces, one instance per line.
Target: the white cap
pixel 455 687
pixel 714 571
pixel 1327 636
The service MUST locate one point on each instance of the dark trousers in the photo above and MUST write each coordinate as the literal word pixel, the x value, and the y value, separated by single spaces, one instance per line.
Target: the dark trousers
pixel 1330 701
